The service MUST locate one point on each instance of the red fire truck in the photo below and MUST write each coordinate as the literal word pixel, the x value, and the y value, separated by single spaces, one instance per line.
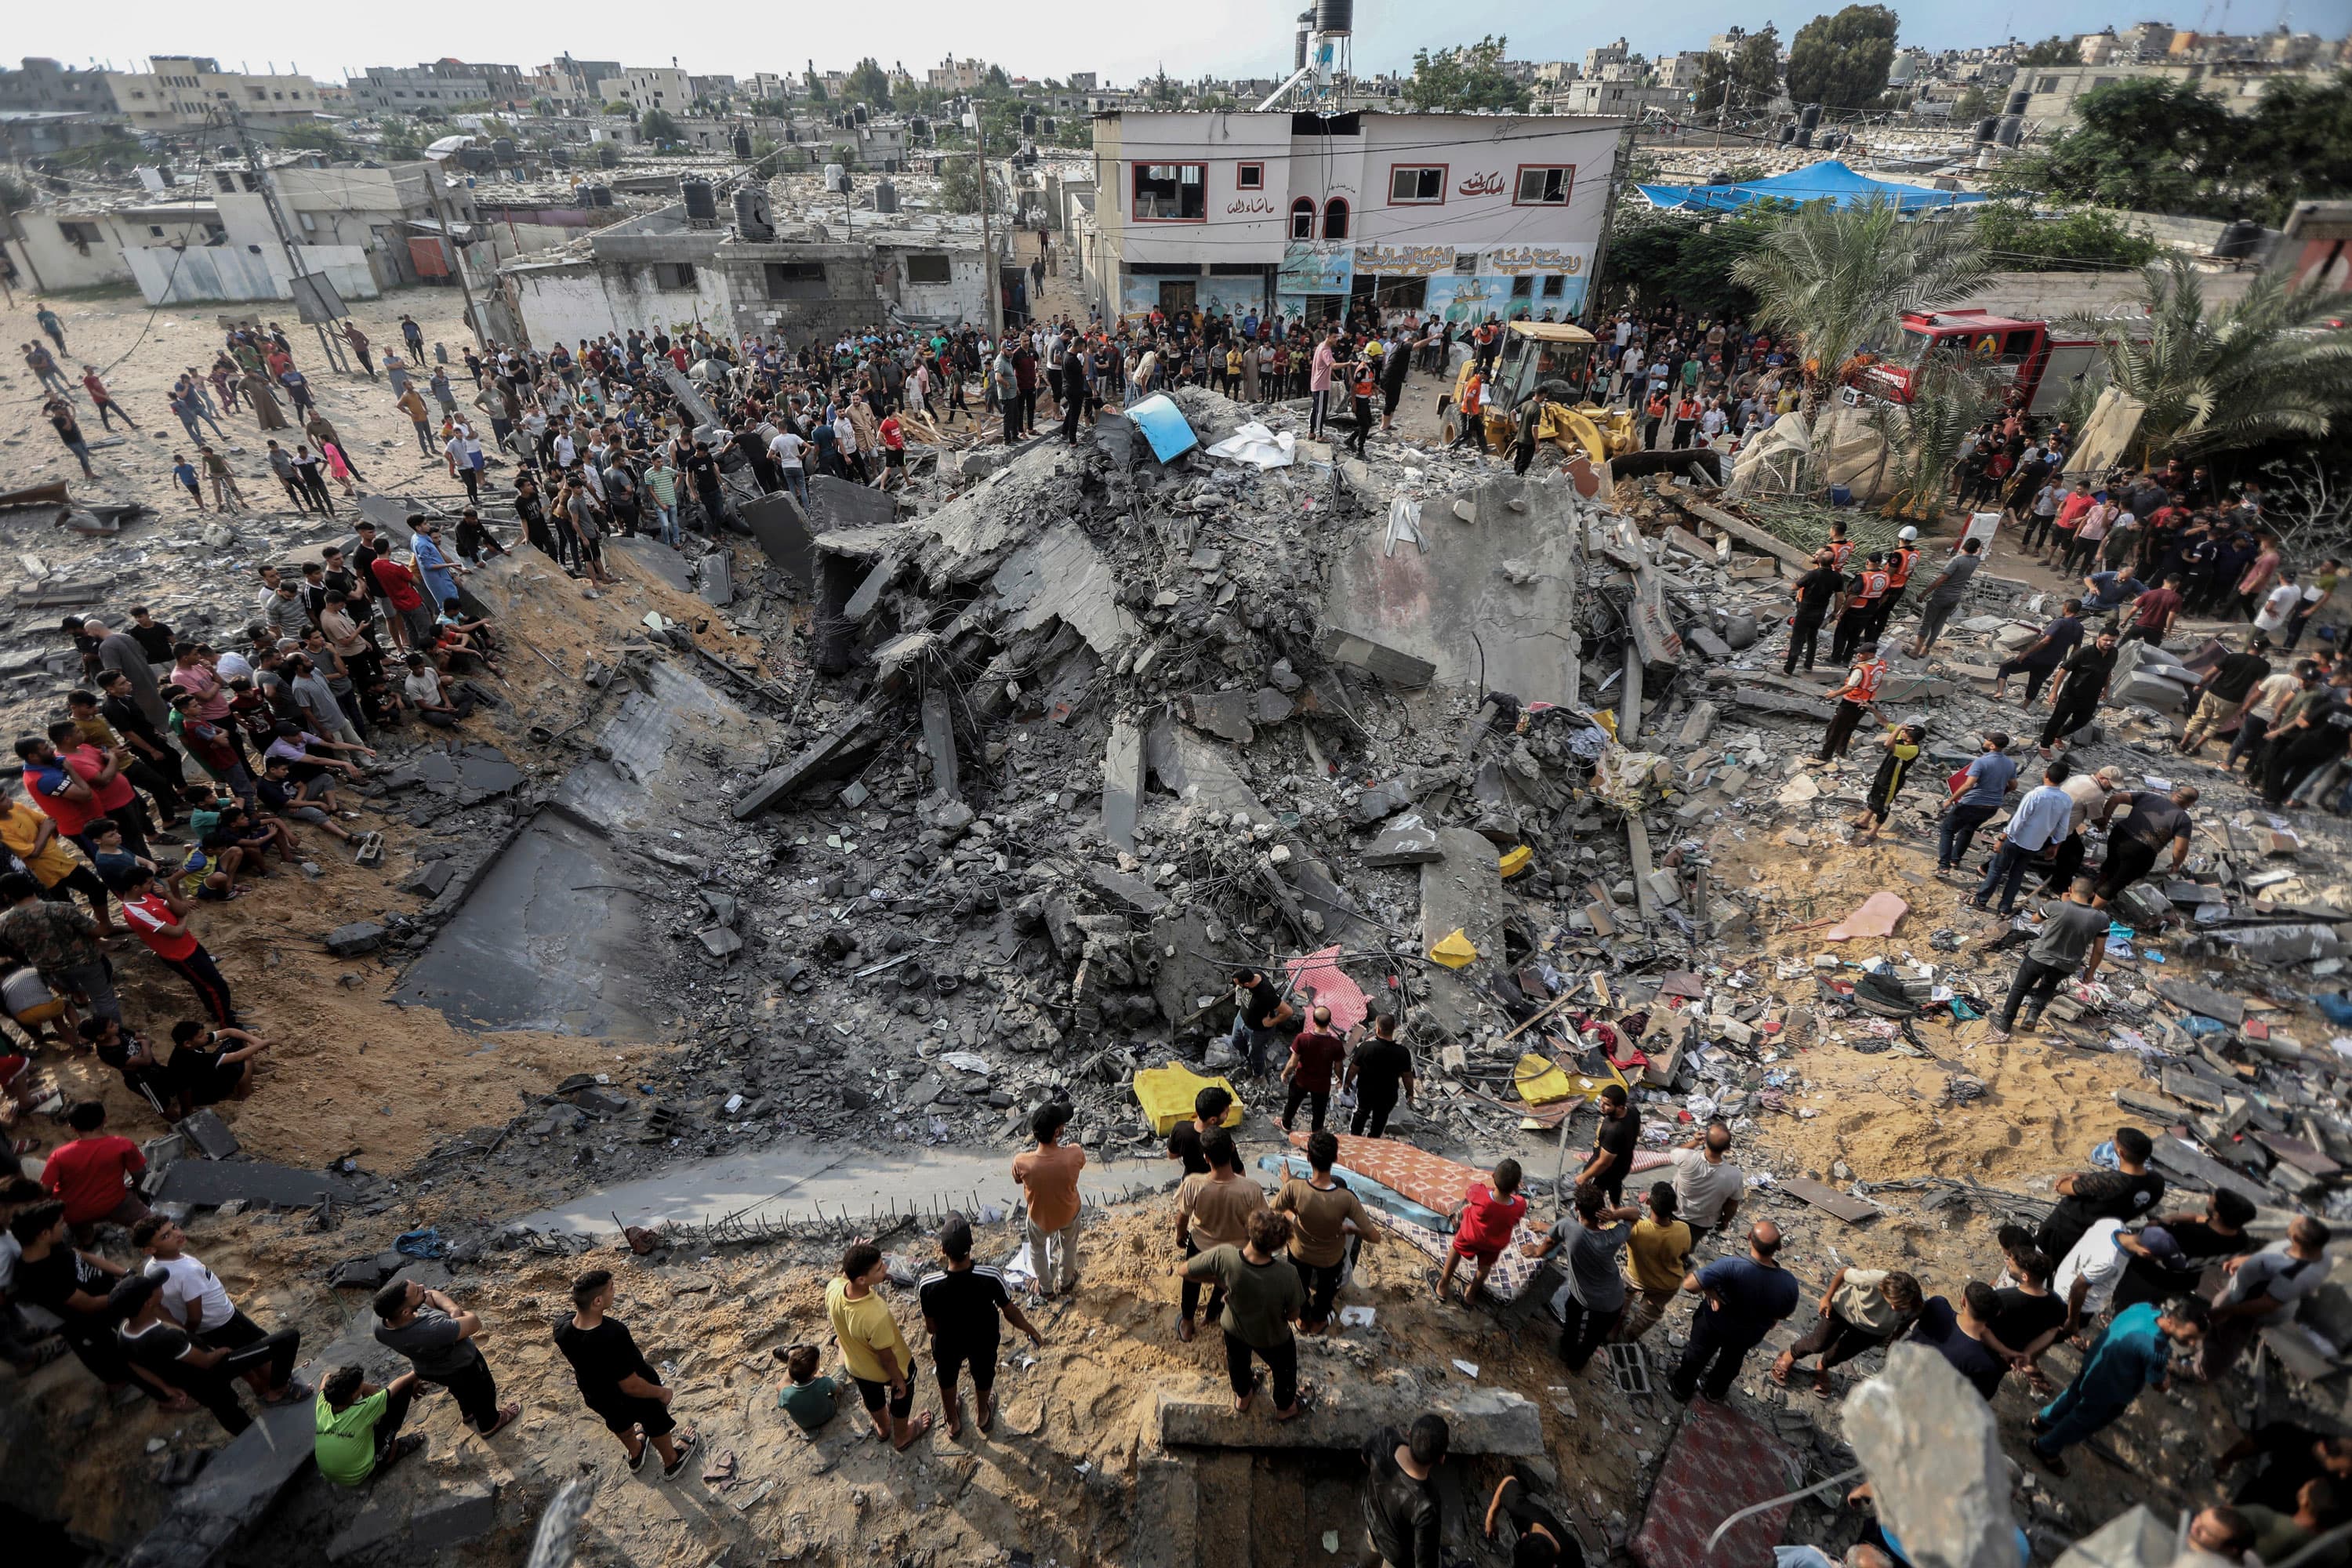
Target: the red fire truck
pixel 2045 364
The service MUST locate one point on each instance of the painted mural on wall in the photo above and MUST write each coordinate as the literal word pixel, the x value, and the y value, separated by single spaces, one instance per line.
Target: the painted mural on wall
pixel 1311 267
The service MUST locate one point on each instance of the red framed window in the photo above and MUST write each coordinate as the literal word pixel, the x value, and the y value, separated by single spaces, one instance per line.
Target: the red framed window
pixel 1335 218
pixel 1169 193
pixel 1417 185
pixel 1543 184
pixel 1302 219
pixel 1249 176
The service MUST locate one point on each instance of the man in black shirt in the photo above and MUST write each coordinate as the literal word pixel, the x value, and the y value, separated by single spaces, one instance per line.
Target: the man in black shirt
pixel 2176 1248
pixel 1380 1065
pixel 1613 1144
pixel 2222 695
pixel 961 1304
pixel 2152 821
pixel 616 1380
pixel 76 1286
pixel 2077 697
pixel 153 1342
pixel 1263 1013
pixel 2040 655
pixel 1209 1108
pixel 2088 1196
pixel 1403 1519
pixel 1543 1540
pixel 2293 1455
pixel 119 707
pixel 1817 593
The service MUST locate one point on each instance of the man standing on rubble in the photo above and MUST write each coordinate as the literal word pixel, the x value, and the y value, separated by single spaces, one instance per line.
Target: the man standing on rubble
pixel 1744 1296
pixel 1850 701
pixel 2039 820
pixel 1613 1144
pixel 2133 1354
pixel 1382 1066
pixel 2072 936
pixel 2086 1197
pixel 1820 593
pixel 1944 595
pixel 1707 1184
pixel 1864 590
pixel 2076 697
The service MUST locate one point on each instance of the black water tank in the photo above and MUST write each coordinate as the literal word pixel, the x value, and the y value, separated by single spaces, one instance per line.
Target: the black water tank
pixel 1809 117
pixel 1987 128
pixel 1787 136
pixel 1335 16
pixel 701 201
pixel 2239 241
pixel 743 143
pixel 886 196
pixel 607 155
pixel 918 127
pixel 1804 137
pixel 1306 26
pixel 502 148
pixel 1028 122
pixel 753 221
pixel 560 157
pixel 858 114
pixel 597 195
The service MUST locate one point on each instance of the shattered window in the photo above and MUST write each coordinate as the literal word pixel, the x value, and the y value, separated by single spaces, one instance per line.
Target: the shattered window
pixel 1171 192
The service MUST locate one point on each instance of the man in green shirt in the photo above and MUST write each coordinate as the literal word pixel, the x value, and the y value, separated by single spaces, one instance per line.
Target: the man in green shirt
pixel 359 1424
pixel 1264 1297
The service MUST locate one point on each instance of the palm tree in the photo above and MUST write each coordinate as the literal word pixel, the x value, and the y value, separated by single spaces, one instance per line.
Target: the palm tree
pixel 2264 369
pixel 1840 278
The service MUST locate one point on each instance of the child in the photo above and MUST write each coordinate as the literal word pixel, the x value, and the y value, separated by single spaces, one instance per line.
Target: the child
pixel 142 1074
pixel 1901 746
pixel 284 798
pixel 1493 1212
pixel 214 1065
pixel 807 1398
pixel 108 857
pixel 185 472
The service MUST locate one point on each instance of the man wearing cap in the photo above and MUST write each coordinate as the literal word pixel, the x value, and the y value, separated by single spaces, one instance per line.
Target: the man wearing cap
pixel 1857 696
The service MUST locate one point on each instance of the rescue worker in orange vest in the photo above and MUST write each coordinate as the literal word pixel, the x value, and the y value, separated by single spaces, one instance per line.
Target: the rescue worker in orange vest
pixel 1899 562
pixel 1840 547
pixel 1655 411
pixel 1850 701
pixel 1864 589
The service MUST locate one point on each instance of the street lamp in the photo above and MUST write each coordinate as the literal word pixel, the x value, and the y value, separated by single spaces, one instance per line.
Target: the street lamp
pixel 438 154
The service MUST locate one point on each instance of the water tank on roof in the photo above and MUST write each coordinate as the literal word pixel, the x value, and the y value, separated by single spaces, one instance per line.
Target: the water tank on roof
pixel 1810 117
pixel 1987 129
pixel 597 195
pixel 1047 124
pixel 1335 16
pixel 2012 131
pixel 1804 137
pixel 743 143
pixel 833 177
pixel 560 157
pixel 2239 240
pixel 1787 134
pixel 1028 122
pixel 918 127
pixel 701 201
pixel 886 196
pixel 754 220
pixel 857 115
pixel 503 149
pixel 1306 26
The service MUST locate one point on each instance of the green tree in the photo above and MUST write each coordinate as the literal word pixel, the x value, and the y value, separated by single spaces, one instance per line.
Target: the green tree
pixel 2147 145
pixel 1751 72
pixel 315 138
pixel 816 88
pixel 655 125
pixel 959 184
pixel 15 195
pixel 1839 279
pixel 1970 107
pixel 1841 62
pixel 998 80
pixel 1466 77
pixel 2298 145
pixel 2052 51
pixel 2021 240
pixel 869 83
pixel 2258 371
pixel 1684 257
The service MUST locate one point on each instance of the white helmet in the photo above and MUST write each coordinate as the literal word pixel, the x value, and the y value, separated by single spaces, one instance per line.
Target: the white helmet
pixel 1907 535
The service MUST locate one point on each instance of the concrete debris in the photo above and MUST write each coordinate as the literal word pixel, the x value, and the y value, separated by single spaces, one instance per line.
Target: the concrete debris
pixel 1932 1450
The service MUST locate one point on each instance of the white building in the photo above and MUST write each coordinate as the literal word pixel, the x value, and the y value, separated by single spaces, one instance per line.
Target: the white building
pixel 1460 215
pixel 665 88
pixel 1681 72
pixel 190 92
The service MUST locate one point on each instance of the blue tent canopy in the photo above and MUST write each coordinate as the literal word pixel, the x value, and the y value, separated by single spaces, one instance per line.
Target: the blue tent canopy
pixel 1828 181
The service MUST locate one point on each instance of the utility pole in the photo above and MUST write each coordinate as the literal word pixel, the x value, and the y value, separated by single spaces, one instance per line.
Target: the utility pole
pixel 1620 166
pixel 434 157
pixel 268 185
pixel 987 244
pixel 1723 108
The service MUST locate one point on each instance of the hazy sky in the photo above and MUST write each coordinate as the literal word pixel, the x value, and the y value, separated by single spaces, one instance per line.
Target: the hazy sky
pixel 1225 38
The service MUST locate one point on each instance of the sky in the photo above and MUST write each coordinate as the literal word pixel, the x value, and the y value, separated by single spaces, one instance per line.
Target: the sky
pixel 1221 37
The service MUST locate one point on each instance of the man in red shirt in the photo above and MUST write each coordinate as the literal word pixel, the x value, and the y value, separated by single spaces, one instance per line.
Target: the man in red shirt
pixel 1491 1212
pixel 162 922
pixel 67 795
pixel 410 626
pixel 1313 1052
pixel 894 450
pixel 103 770
pixel 90 1174
pixel 2152 613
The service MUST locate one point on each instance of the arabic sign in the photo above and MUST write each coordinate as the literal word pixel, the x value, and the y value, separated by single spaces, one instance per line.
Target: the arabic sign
pixel 1405 260
pixel 1249 205
pixel 1489 184
pixel 1512 259
pixel 1308 268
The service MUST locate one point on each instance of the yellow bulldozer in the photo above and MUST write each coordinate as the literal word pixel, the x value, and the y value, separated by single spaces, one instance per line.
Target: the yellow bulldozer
pixel 1543 362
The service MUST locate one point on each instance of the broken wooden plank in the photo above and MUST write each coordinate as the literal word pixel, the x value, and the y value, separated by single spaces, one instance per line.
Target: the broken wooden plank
pixel 1830 1201
pixel 1747 533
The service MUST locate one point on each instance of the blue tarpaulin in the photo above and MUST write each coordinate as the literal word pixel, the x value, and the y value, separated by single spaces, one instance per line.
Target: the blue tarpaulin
pixel 1164 425
pixel 1828 181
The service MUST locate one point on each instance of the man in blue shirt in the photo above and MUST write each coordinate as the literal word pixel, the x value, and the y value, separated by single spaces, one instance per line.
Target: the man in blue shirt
pixel 2041 819
pixel 2112 590
pixel 2133 1354
pixel 1745 1297
pixel 432 569
pixel 1974 798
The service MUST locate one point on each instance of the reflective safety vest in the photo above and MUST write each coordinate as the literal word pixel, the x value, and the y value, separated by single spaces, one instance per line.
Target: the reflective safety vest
pixel 1839 550
pixel 1864 681
pixel 1905 559
pixel 1874 584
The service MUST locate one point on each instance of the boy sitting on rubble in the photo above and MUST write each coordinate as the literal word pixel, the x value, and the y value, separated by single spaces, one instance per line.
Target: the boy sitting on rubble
pixel 460 637
pixel 806 1398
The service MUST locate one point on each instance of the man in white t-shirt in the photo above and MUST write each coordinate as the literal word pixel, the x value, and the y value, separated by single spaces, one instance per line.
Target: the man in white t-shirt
pixel 2265 1290
pixel 2087 1275
pixel 2278 607
pixel 195 1298
pixel 786 450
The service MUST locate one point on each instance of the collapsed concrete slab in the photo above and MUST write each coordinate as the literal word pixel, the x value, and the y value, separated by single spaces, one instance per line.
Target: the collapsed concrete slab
pixel 235 1488
pixel 831 754
pixel 1199 771
pixel 1122 795
pixel 208 1184
pixel 1060 575
pixel 552 936
pixel 1492 597
pixel 1482 1420
pixel 1461 890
